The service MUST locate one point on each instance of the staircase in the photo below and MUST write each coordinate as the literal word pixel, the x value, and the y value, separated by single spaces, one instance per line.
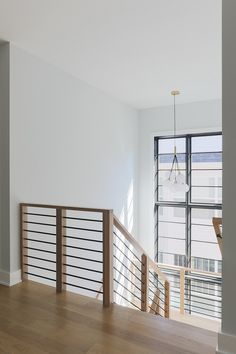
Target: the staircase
pixel 90 252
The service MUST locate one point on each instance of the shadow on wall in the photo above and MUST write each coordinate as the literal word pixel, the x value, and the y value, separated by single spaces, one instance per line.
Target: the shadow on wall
pixel 127 213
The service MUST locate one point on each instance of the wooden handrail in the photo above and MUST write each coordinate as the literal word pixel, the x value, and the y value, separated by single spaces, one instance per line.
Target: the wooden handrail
pixel 187 269
pixel 51 206
pixel 127 235
pixel 138 247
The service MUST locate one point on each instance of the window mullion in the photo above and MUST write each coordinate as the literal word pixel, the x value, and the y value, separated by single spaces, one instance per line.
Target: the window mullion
pixel 188 221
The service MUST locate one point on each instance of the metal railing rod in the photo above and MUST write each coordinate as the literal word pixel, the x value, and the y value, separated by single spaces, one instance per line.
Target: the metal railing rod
pixel 204 298
pixel 157 297
pixel 82 239
pixel 123 265
pixel 157 304
pixel 158 290
pixel 39 258
pixel 202 313
pixel 130 302
pixel 84 259
pixel 123 286
pixel 81 219
pixel 83 268
pixel 40 276
pixel 83 278
pixel 40 232
pixel 82 248
pixel 127 258
pixel 127 279
pixel 39 267
pixel 40 241
pixel 37 249
pixel 38 223
pixel 202 288
pixel 81 229
pixel 39 214
pixel 150 307
pixel 191 307
pixel 84 288
pixel 205 294
pixel 203 279
pixel 127 247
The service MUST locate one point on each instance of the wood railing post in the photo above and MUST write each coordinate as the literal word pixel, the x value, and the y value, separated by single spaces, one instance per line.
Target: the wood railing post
pixel 167 299
pixel 63 248
pixel 59 235
pixel 182 290
pixel 24 242
pixel 144 283
pixel 107 258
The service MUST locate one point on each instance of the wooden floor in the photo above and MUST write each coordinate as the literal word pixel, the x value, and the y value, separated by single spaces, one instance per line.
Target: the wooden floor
pixel 197 321
pixel 34 320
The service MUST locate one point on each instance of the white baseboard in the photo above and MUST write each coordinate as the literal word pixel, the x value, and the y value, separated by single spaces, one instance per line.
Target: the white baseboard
pixel 15 277
pixel 10 279
pixel 4 278
pixel 226 344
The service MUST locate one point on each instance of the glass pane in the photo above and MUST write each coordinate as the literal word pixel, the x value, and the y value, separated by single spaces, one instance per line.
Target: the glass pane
pixel 203 233
pixel 166 146
pixel 204 216
pixel 171 214
pixel 170 229
pixel 207 161
pixel 165 162
pixel 163 175
pixel 171 235
pixel 171 246
pixel 207 178
pixel 174 259
pixel 168 196
pixel 206 195
pixel 207 143
pixel 206 250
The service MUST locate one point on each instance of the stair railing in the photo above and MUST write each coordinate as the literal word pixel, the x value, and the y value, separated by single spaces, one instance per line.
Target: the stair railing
pixel 194 291
pixel 151 284
pixel 89 251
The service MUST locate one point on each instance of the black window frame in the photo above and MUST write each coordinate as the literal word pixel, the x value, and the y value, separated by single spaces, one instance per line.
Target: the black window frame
pixel 188 204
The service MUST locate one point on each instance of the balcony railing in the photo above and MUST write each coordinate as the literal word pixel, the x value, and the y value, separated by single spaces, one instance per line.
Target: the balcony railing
pixel 194 291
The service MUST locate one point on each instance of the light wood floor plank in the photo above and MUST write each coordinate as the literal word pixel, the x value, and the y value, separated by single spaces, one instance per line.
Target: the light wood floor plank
pixel 36 320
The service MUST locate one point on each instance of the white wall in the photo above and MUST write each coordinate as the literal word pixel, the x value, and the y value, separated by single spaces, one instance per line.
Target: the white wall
pixel 4 163
pixel 227 339
pixel 191 118
pixel 70 144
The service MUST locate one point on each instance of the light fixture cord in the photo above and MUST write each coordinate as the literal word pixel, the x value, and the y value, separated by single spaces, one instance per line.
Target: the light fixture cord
pixel 174 127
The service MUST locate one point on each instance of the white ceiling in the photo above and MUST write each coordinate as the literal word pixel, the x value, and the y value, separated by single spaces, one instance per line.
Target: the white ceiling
pixel 134 50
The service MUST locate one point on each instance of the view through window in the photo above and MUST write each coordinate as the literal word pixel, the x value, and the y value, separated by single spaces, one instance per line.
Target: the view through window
pixel 184 231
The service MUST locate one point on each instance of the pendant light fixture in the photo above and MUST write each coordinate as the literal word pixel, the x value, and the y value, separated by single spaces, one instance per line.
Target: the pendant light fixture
pixel 175 181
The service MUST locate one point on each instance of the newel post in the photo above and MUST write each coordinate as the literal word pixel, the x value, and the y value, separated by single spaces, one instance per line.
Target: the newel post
pixel 23 241
pixel 107 258
pixel 59 236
